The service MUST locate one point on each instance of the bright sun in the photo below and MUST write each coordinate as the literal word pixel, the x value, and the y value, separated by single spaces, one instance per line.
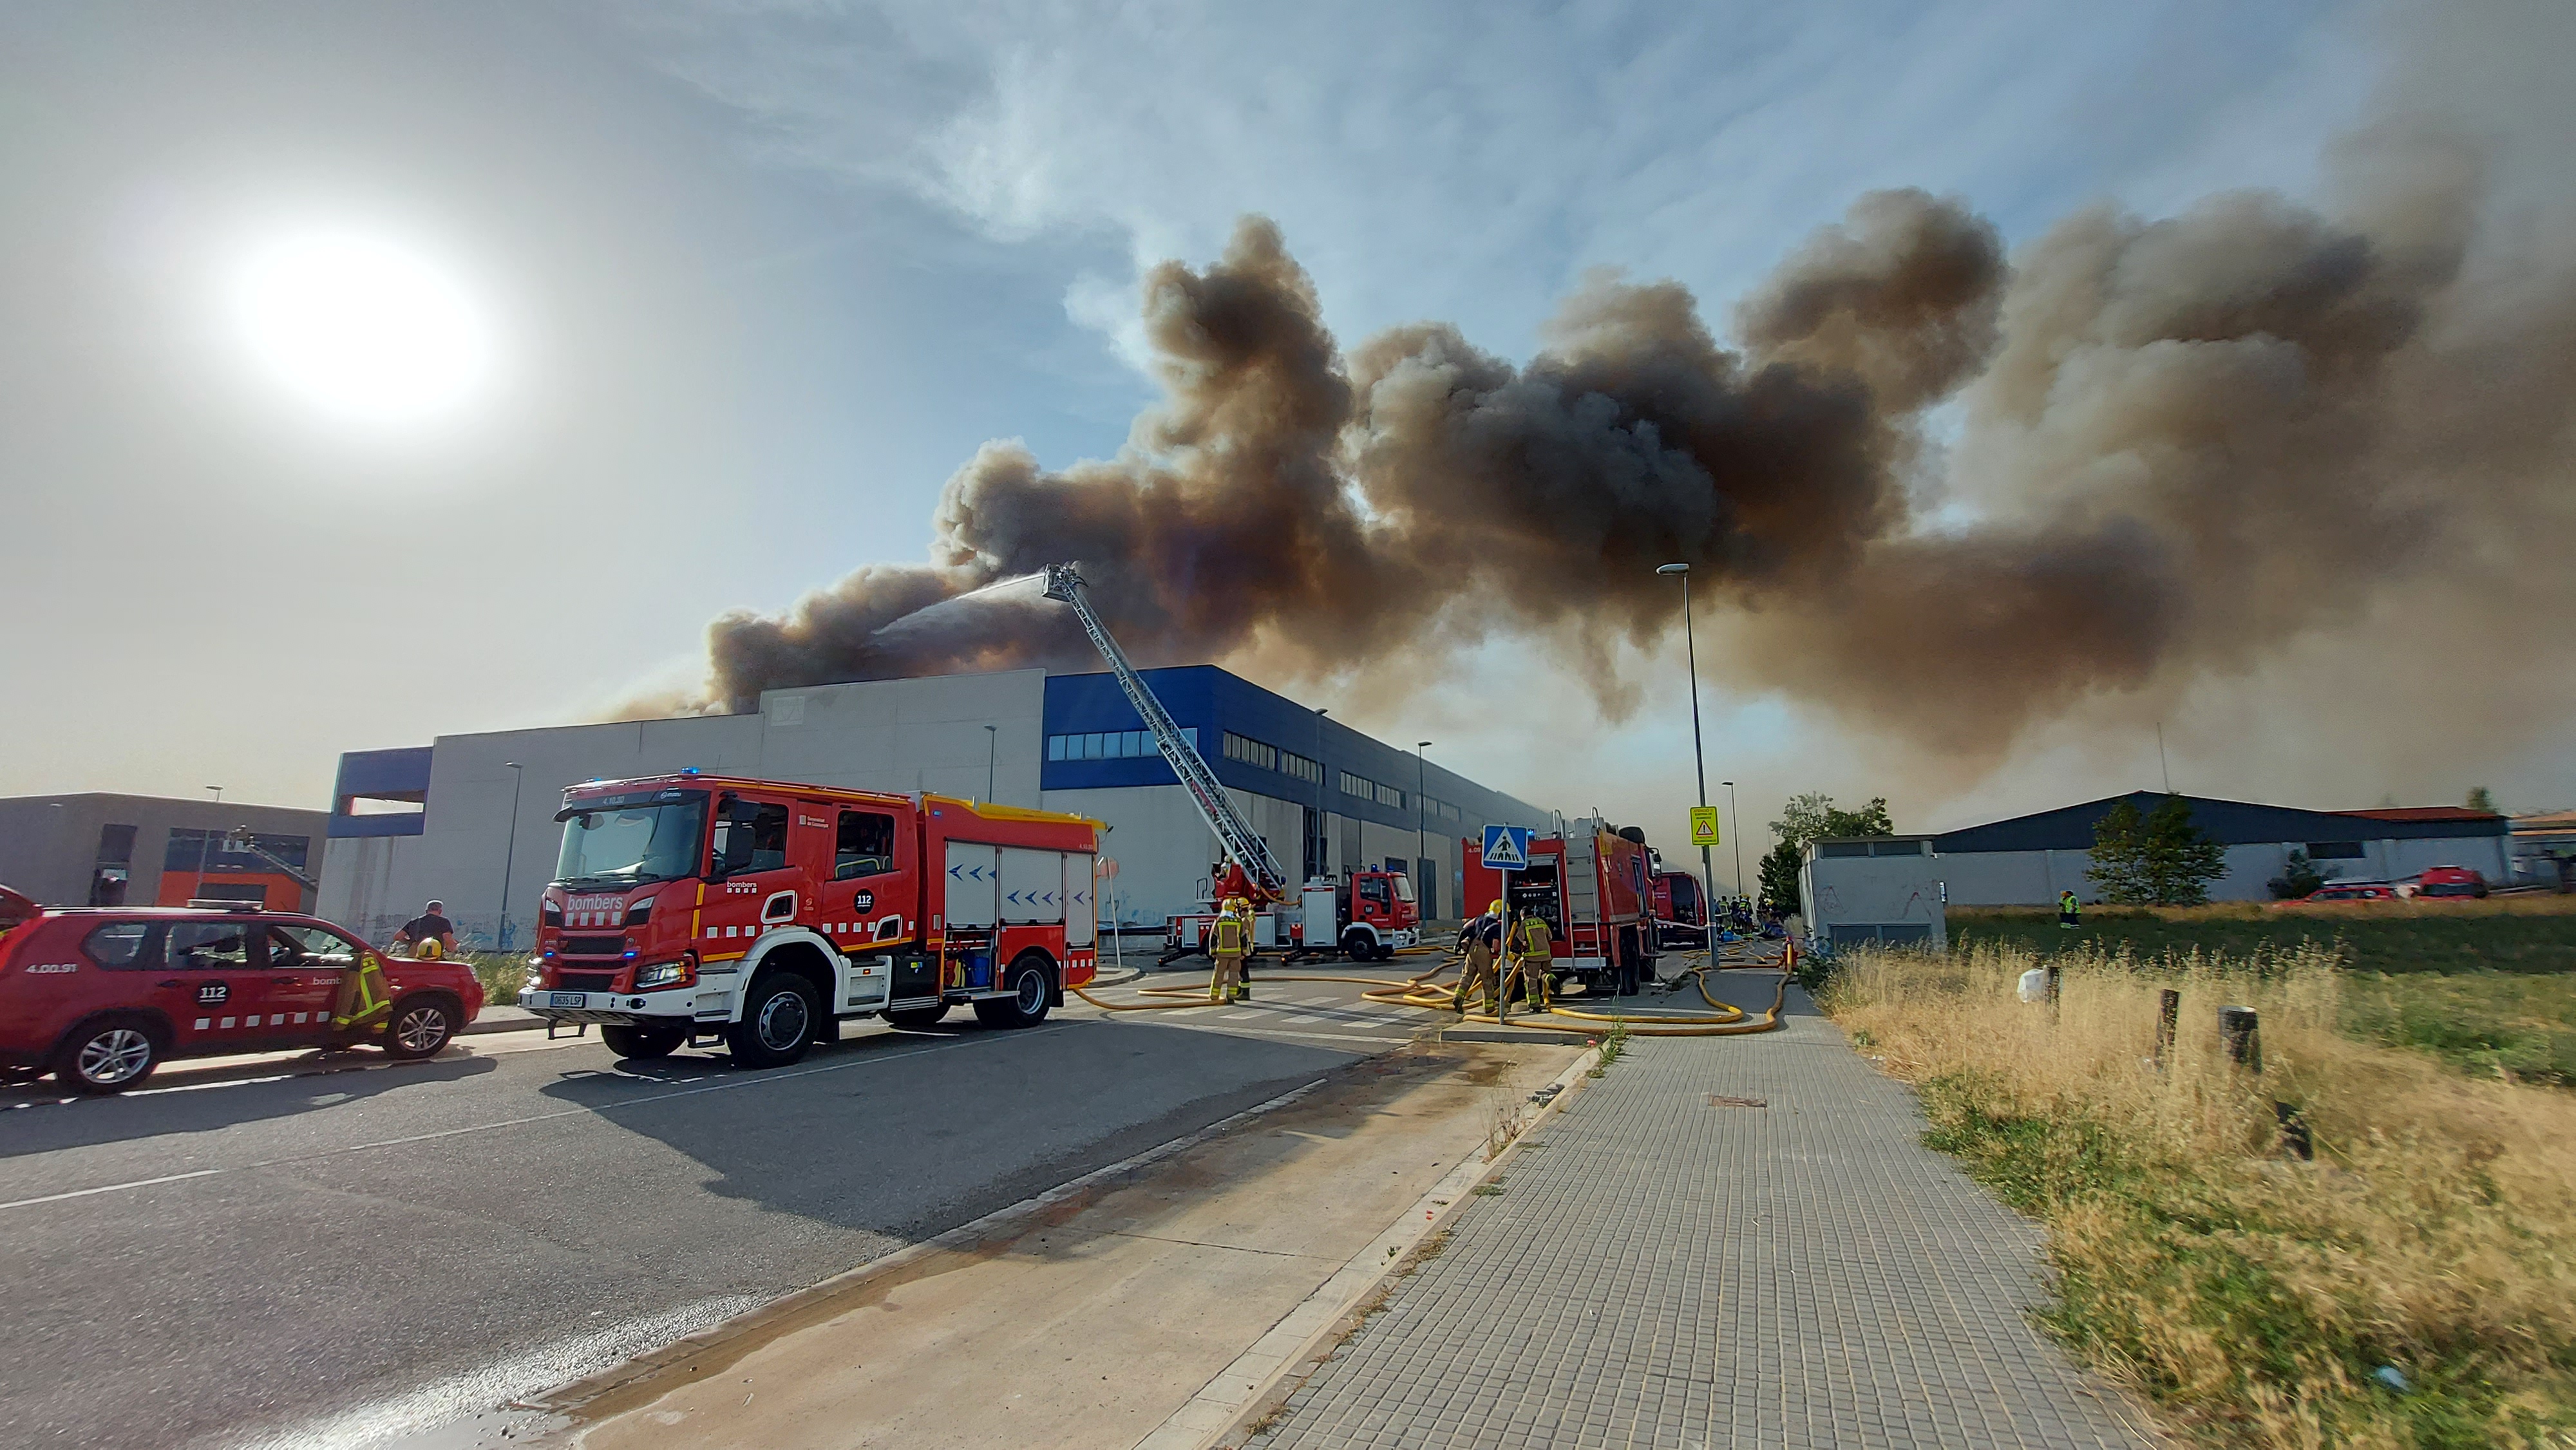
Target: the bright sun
pixel 362 328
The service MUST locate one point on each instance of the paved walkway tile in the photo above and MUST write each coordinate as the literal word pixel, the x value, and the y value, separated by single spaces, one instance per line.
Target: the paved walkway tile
pixel 1660 1270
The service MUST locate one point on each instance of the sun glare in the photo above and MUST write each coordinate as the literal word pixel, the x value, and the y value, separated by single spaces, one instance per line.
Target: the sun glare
pixel 362 328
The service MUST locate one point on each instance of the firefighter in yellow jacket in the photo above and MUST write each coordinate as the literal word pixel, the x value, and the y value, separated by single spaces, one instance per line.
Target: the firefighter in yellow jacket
pixel 1229 941
pixel 1531 959
pixel 1482 938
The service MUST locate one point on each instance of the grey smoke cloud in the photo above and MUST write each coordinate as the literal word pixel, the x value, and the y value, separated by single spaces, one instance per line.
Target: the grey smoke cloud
pixel 2187 442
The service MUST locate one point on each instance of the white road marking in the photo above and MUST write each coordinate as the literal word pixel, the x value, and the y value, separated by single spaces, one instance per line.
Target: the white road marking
pixel 749 1080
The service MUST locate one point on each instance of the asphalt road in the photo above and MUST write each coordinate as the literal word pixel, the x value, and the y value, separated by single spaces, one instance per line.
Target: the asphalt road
pixel 329 1251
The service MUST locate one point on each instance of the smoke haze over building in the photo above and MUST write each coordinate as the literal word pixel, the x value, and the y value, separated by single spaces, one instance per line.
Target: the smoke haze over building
pixel 1944 493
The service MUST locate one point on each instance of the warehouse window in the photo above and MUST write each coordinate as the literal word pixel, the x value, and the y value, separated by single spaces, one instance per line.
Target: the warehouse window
pixel 1388 795
pixel 2334 851
pixel 1358 786
pixel 1302 768
pixel 1251 751
pixel 1109 745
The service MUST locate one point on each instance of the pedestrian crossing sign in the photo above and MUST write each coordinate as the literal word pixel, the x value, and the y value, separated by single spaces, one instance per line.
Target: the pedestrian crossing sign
pixel 1704 826
pixel 1506 848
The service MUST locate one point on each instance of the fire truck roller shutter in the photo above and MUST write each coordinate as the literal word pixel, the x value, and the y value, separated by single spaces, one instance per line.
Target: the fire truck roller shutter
pixel 972 884
pixel 1081 901
pixel 1032 886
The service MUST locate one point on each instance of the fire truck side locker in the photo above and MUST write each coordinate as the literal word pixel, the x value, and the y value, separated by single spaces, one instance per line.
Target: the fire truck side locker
pixel 1579 879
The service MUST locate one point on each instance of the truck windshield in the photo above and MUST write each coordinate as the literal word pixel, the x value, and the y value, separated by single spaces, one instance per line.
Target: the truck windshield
pixel 629 844
pixel 1404 888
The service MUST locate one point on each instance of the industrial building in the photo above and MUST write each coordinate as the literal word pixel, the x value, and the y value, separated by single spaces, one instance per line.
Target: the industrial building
pixel 2028 860
pixel 131 850
pixel 470 819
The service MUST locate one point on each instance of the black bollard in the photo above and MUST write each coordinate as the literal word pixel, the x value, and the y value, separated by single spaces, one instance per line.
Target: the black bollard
pixel 2244 1037
pixel 2168 1017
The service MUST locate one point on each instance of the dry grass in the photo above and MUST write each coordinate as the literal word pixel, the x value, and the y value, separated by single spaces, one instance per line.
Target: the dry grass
pixel 2250 1295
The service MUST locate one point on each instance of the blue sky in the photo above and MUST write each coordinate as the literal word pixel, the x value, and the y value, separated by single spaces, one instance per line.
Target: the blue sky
pixel 767 273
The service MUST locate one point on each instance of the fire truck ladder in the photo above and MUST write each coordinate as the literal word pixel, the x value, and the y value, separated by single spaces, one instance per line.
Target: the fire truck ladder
pixel 241 836
pixel 1243 845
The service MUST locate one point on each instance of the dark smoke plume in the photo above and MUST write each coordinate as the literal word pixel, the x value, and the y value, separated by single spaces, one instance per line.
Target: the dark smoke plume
pixel 2170 448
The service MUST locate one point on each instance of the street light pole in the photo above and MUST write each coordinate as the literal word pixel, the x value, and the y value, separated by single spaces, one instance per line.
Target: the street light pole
pixel 1735 823
pixel 510 853
pixel 204 841
pixel 992 752
pixel 1320 773
pixel 1421 778
pixel 1699 756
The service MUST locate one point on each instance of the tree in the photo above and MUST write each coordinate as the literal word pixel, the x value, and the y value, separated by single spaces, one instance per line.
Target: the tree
pixel 2481 799
pixel 1808 818
pixel 2299 877
pixel 2158 859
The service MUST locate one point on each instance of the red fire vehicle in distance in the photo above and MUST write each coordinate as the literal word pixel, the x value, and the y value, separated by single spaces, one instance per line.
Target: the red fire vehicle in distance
pixel 762 912
pixel 1593 886
pixel 1681 910
pixel 1365 916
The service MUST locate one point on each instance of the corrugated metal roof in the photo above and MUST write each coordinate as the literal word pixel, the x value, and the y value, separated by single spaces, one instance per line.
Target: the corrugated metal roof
pixel 2233 823
pixel 2423 813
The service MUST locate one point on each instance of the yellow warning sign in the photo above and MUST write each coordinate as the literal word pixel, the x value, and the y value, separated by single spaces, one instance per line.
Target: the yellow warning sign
pixel 1704 826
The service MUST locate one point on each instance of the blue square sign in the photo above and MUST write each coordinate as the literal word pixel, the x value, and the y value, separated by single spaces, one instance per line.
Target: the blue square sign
pixel 1506 848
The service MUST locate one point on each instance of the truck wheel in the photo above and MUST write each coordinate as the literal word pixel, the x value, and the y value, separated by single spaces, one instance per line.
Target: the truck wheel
pixel 918 1017
pixel 777 1022
pixel 1027 1004
pixel 108 1055
pixel 1359 946
pixel 419 1027
pixel 638 1044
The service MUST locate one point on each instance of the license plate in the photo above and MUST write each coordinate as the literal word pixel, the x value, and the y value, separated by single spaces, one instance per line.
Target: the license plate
pixel 567 999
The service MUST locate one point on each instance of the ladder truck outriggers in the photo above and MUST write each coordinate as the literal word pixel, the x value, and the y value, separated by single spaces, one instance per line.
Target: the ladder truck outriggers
pixel 1366 915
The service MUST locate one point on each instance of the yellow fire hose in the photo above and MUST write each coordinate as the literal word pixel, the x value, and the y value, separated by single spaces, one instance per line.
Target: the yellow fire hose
pixel 1726 1020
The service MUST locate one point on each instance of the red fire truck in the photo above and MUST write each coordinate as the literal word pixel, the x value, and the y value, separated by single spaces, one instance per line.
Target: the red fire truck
pixel 1681 910
pixel 1594 887
pixel 1364 916
pixel 761 912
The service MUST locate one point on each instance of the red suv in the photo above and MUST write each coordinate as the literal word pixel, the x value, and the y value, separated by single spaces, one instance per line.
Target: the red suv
pixel 2451 881
pixel 100 996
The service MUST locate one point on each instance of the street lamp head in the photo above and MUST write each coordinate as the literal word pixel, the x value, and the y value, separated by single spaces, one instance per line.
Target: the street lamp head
pixel 1422 745
pixel 511 765
pixel 1672 568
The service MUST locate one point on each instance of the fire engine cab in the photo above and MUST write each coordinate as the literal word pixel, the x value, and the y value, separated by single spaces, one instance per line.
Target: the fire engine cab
pixel 763 912
pixel 1365 916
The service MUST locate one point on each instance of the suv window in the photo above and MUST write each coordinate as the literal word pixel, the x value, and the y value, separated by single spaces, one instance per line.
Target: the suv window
pixel 209 946
pixel 751 837
pixel 310 946
pixel 865 846
pixel 123 946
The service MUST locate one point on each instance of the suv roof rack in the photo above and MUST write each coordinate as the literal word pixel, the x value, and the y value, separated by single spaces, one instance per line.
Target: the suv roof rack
pixel 225 903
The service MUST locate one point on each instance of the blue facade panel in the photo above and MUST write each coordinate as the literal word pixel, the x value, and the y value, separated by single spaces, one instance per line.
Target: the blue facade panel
pixel 396 775
pixel 1217 702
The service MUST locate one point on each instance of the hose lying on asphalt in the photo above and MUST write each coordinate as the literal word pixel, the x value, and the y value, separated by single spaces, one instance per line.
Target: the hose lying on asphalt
pixel 1725 1020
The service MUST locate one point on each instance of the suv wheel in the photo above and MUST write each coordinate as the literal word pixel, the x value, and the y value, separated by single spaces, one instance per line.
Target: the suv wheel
pixel 108 1055
pixel 777 1022
pixel 419 1027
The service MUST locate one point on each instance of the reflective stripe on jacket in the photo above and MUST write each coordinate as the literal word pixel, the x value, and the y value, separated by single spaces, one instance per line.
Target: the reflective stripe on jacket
pixel 1225 934
pixel 1530 939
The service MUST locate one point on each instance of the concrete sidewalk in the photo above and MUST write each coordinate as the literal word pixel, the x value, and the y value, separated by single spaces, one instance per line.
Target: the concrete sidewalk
pixel 1668 1264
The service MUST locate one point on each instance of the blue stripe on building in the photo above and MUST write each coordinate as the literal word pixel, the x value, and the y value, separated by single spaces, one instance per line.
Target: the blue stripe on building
pixel 2230 823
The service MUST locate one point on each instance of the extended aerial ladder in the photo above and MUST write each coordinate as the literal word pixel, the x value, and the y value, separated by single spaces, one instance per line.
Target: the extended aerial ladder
pixel 1243 845
pixel 243 837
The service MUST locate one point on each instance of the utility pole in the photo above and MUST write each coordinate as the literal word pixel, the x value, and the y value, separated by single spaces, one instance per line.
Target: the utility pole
pixel 1319 843
pixel 1699 757
pixel 510 853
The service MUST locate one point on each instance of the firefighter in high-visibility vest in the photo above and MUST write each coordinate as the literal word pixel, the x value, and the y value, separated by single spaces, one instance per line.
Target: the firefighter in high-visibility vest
pixel 1483 938
pixel 1532 957
pixel 1229 941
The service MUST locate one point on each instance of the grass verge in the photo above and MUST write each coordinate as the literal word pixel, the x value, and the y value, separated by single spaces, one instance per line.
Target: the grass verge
pixel 2520 933
pixel 2252 1297
pixel 502 975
